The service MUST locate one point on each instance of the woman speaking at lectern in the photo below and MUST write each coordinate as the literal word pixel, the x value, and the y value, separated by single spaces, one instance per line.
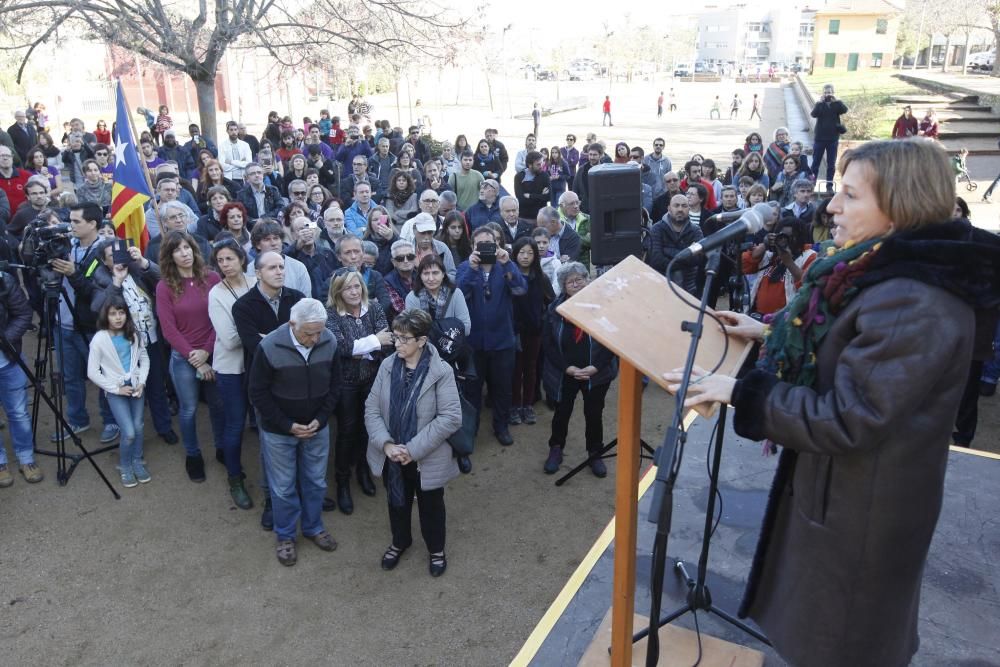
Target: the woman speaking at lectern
pixel 859 382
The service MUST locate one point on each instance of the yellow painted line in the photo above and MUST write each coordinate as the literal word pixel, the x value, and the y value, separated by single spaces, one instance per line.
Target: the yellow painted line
pixel 975 452
pixel 579 576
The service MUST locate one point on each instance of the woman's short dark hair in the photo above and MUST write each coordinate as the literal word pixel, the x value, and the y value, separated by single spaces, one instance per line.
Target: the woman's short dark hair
pixel 701 190
pixel 118 302
pixel 430 261
pixel 225 240
pixel 413 322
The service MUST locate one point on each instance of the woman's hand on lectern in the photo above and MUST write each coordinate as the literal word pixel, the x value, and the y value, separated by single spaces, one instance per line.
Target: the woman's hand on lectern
pixel 741 325
pixel 704 387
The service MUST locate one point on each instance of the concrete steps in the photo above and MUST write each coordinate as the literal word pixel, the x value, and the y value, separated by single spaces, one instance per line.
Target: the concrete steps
pixel 961 121
pixel 940 100
pixel 975 145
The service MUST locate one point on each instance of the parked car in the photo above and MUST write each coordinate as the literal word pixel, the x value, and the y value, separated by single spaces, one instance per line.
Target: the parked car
pixel 682 70
pixel 982 60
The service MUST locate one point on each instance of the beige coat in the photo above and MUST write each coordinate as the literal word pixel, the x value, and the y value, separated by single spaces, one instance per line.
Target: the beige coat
pixel 439 414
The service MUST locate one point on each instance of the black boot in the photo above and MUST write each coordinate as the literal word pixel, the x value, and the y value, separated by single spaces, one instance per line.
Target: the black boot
pixel 365 480
pixel 464 465
pixel 195 466
pixel 267 516
pixel 344 501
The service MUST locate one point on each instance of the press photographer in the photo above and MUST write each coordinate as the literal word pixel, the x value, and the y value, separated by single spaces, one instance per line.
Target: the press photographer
pixel 779 263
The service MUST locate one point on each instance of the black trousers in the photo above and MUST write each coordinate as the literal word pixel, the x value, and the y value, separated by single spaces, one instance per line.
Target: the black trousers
pixel 968 409
pixel 593 413
pixel 496 369
pixel 352 436
pixel 430 509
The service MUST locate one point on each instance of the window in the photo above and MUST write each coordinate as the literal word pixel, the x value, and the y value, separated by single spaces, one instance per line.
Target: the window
pixel 831 60
pixel 881 26
pixel 876 60
pixel 754 27
pixel 806 29
pixel 834 26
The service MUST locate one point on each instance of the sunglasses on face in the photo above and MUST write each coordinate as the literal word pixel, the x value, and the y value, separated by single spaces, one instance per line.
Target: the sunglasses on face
pixel 409 257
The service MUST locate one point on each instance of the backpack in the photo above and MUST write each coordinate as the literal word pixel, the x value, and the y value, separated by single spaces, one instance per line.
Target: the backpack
pixel 448 335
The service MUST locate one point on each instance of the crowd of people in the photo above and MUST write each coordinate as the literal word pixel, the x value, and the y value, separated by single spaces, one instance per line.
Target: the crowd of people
pixel 350 270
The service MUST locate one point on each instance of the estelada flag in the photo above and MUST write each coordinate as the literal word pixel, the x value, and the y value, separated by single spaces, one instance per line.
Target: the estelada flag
pixel 129 191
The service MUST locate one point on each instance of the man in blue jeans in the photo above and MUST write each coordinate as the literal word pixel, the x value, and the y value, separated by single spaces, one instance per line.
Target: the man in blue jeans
pixel 78 322
pixel 827 113
pixel 489 281
pixel 15 317
pixel 294 385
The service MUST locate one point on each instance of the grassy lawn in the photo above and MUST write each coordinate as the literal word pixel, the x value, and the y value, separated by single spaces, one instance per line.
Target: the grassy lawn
pixel 869 96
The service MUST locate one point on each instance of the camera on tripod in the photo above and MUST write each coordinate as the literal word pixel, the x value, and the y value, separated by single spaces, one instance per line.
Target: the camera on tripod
pixel 44 242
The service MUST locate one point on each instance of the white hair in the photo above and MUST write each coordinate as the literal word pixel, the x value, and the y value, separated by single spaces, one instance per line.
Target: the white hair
pixel 307 311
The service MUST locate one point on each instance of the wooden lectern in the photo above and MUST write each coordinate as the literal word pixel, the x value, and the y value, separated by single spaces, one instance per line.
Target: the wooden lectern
pixel 632 311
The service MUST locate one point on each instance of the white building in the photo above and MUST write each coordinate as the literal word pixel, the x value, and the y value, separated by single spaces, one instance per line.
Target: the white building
pixel 758 33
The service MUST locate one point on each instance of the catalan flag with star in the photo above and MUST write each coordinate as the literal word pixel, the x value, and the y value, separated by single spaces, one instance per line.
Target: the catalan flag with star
pixel 129 190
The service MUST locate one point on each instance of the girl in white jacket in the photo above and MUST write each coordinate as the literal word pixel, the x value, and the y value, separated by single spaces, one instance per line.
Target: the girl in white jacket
pixel 119 365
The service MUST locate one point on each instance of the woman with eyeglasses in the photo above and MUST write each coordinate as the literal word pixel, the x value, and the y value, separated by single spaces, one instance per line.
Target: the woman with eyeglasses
pixel 571 154
pixel 574 362
pixel 381 232
pixel 412 409
pixel 230 260
pixel 102 153
pixel 361 330
pixel 182 308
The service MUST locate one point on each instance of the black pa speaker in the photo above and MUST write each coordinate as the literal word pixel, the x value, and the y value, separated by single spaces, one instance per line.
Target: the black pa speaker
pixel 615 213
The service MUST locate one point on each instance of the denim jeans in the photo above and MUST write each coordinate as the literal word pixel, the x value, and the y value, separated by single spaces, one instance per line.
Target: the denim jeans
pixel 156 388
pixel 830 148
pixel 73 349
pixel 296 472
pixel 188 386
pixel 14 398
pixel 234 415
pixel 991 369
pixel 128 413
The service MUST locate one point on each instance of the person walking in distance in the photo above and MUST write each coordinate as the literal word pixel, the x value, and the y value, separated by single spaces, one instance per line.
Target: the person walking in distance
pixel 734 107
pixel 716 111
pixel 673 101
pixel 536 118
pixel 659 105
pixel 755 108
pixel 606 107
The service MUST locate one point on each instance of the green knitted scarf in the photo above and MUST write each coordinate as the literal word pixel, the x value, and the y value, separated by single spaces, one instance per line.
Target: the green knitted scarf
pixel 795 332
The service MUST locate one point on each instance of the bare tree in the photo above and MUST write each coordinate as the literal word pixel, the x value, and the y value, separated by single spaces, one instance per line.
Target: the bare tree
pixel 192 36
pixel 993 13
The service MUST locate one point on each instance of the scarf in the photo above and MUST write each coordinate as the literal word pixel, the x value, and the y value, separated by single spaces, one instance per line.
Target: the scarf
pixel 403 419
pixel 796 331
pixel 440 303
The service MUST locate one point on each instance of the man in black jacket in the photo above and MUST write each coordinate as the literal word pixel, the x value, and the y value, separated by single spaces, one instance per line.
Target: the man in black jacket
pixel 827 113
pixel 497 147
pixel 257 313
pixel 581 185
pixel 513 225
pixel 15 318
pixel 77 322
pixel 564 242
pixel 23 135
pixel 531 187
pixel 671 235
pixel 294 384
pixel 260 200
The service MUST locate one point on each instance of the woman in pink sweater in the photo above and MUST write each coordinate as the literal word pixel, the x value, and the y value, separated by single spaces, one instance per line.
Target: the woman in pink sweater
pixel 182 308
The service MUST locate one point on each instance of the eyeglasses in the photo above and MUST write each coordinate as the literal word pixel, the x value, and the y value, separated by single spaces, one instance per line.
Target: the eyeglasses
pixel 99 153
pixel 404 258
pixel 298 193
pixel 657 145
pixel 359 164
pixel 570 140
pixel 672 180
pixel 428 201
pixel 405 340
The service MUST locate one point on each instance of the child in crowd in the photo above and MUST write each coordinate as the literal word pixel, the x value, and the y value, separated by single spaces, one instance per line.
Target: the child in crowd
pixel 746 182
pixel 118 364
pixel 550 263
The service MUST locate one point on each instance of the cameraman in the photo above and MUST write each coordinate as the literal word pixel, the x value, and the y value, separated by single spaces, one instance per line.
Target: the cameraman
pixel 77 322
pixel 779 263
pixel 827 113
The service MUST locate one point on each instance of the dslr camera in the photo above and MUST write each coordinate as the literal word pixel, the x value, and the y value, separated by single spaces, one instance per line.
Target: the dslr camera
pixel 779 243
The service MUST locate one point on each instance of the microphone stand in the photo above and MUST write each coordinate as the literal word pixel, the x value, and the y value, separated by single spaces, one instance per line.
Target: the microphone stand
pixel 668 461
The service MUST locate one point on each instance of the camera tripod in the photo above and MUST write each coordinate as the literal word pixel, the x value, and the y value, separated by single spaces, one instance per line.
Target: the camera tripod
pixel 66 462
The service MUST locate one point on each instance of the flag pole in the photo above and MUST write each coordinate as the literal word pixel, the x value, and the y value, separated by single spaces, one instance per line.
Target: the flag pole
pixel 138 150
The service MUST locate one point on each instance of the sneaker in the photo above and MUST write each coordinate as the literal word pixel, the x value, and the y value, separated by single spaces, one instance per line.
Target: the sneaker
pixel 323 540
pixel 286 553
pixel 32 473
pixel 6 479
pixel 141 473
pixel 110 433
pixel 128 478
pixel 515 416
pixel 554 461
pixel 528 415
pixel 76 429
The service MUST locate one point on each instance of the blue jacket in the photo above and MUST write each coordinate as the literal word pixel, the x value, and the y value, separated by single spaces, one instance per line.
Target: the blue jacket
pixel 346 154
pixel 478 214
pixel 355 221
pixel 493 319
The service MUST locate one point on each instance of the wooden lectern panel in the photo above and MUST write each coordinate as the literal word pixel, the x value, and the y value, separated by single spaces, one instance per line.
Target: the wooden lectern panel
pixel 632 311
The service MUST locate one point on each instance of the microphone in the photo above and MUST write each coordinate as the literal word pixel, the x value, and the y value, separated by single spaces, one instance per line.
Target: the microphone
pixel 750 222
pixel 728 216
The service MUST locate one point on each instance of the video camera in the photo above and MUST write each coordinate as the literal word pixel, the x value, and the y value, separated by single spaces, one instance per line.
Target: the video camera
pixel 42 243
